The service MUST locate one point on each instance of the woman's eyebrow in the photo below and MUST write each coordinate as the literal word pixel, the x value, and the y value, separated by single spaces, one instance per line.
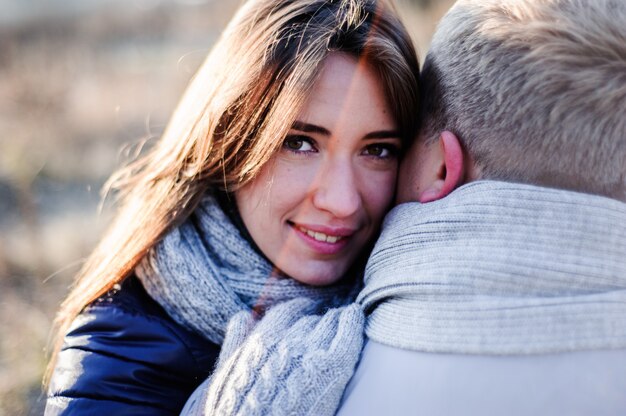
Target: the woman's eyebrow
pixel 312 128
pixel 383 134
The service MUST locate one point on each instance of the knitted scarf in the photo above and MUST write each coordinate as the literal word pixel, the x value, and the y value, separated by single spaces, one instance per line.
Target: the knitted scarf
pixel 500 268
pixel 204 272
pixel 494 268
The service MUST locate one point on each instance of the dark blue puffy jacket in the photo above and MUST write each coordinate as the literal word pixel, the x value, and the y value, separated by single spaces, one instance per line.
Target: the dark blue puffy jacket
pixel 123 355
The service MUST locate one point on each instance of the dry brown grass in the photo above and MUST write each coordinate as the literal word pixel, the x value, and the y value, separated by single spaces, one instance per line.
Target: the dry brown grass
pixel 72 92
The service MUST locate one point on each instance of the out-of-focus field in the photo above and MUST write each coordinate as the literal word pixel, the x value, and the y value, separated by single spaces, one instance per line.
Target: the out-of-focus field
pixel 80 80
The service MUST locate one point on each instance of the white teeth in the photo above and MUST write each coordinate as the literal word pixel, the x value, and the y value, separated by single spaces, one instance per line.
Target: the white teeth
pixel 332 239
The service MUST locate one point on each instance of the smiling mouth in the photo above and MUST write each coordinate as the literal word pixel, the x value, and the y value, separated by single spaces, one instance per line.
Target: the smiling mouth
pixel 325 238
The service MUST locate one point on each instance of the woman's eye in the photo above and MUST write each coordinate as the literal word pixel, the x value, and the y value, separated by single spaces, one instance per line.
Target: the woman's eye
pixel 298 144
pixel 382 151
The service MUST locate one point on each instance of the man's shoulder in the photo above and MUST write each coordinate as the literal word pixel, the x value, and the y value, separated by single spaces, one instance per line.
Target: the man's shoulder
pixel 400 381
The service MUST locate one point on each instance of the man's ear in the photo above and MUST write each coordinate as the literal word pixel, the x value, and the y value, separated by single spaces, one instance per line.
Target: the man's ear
pixel 450 168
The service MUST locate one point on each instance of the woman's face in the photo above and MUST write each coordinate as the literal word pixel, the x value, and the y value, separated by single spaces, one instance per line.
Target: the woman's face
pixel 320 200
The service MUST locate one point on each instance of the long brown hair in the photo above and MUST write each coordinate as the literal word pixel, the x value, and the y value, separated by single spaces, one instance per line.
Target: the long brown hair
pixel 233 118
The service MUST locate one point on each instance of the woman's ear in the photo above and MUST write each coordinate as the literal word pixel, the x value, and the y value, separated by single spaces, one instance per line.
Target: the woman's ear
pixel 450 168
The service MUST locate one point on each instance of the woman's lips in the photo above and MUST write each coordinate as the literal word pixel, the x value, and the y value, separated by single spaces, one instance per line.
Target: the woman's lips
pixel 319 236
pixel 324 240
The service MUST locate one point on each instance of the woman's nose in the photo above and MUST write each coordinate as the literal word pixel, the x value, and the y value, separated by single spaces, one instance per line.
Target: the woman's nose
pixel 336 189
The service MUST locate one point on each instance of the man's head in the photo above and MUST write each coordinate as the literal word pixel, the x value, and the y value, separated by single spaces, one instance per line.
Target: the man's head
pixel 530 91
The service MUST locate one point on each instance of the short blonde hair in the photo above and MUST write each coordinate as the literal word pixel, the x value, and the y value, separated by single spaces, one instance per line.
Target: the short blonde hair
pixel 535 90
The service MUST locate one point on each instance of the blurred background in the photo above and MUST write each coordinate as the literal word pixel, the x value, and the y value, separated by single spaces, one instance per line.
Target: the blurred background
pixel 81 83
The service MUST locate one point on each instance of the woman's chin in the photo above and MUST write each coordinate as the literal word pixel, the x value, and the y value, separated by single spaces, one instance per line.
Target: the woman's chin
pixel 316 275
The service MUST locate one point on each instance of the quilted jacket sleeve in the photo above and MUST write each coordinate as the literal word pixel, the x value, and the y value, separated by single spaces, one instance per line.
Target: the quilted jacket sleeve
pixel 121 358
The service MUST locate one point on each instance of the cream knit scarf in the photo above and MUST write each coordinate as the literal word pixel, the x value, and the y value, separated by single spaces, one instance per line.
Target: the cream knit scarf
pixel 494 268
pixel 500 268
